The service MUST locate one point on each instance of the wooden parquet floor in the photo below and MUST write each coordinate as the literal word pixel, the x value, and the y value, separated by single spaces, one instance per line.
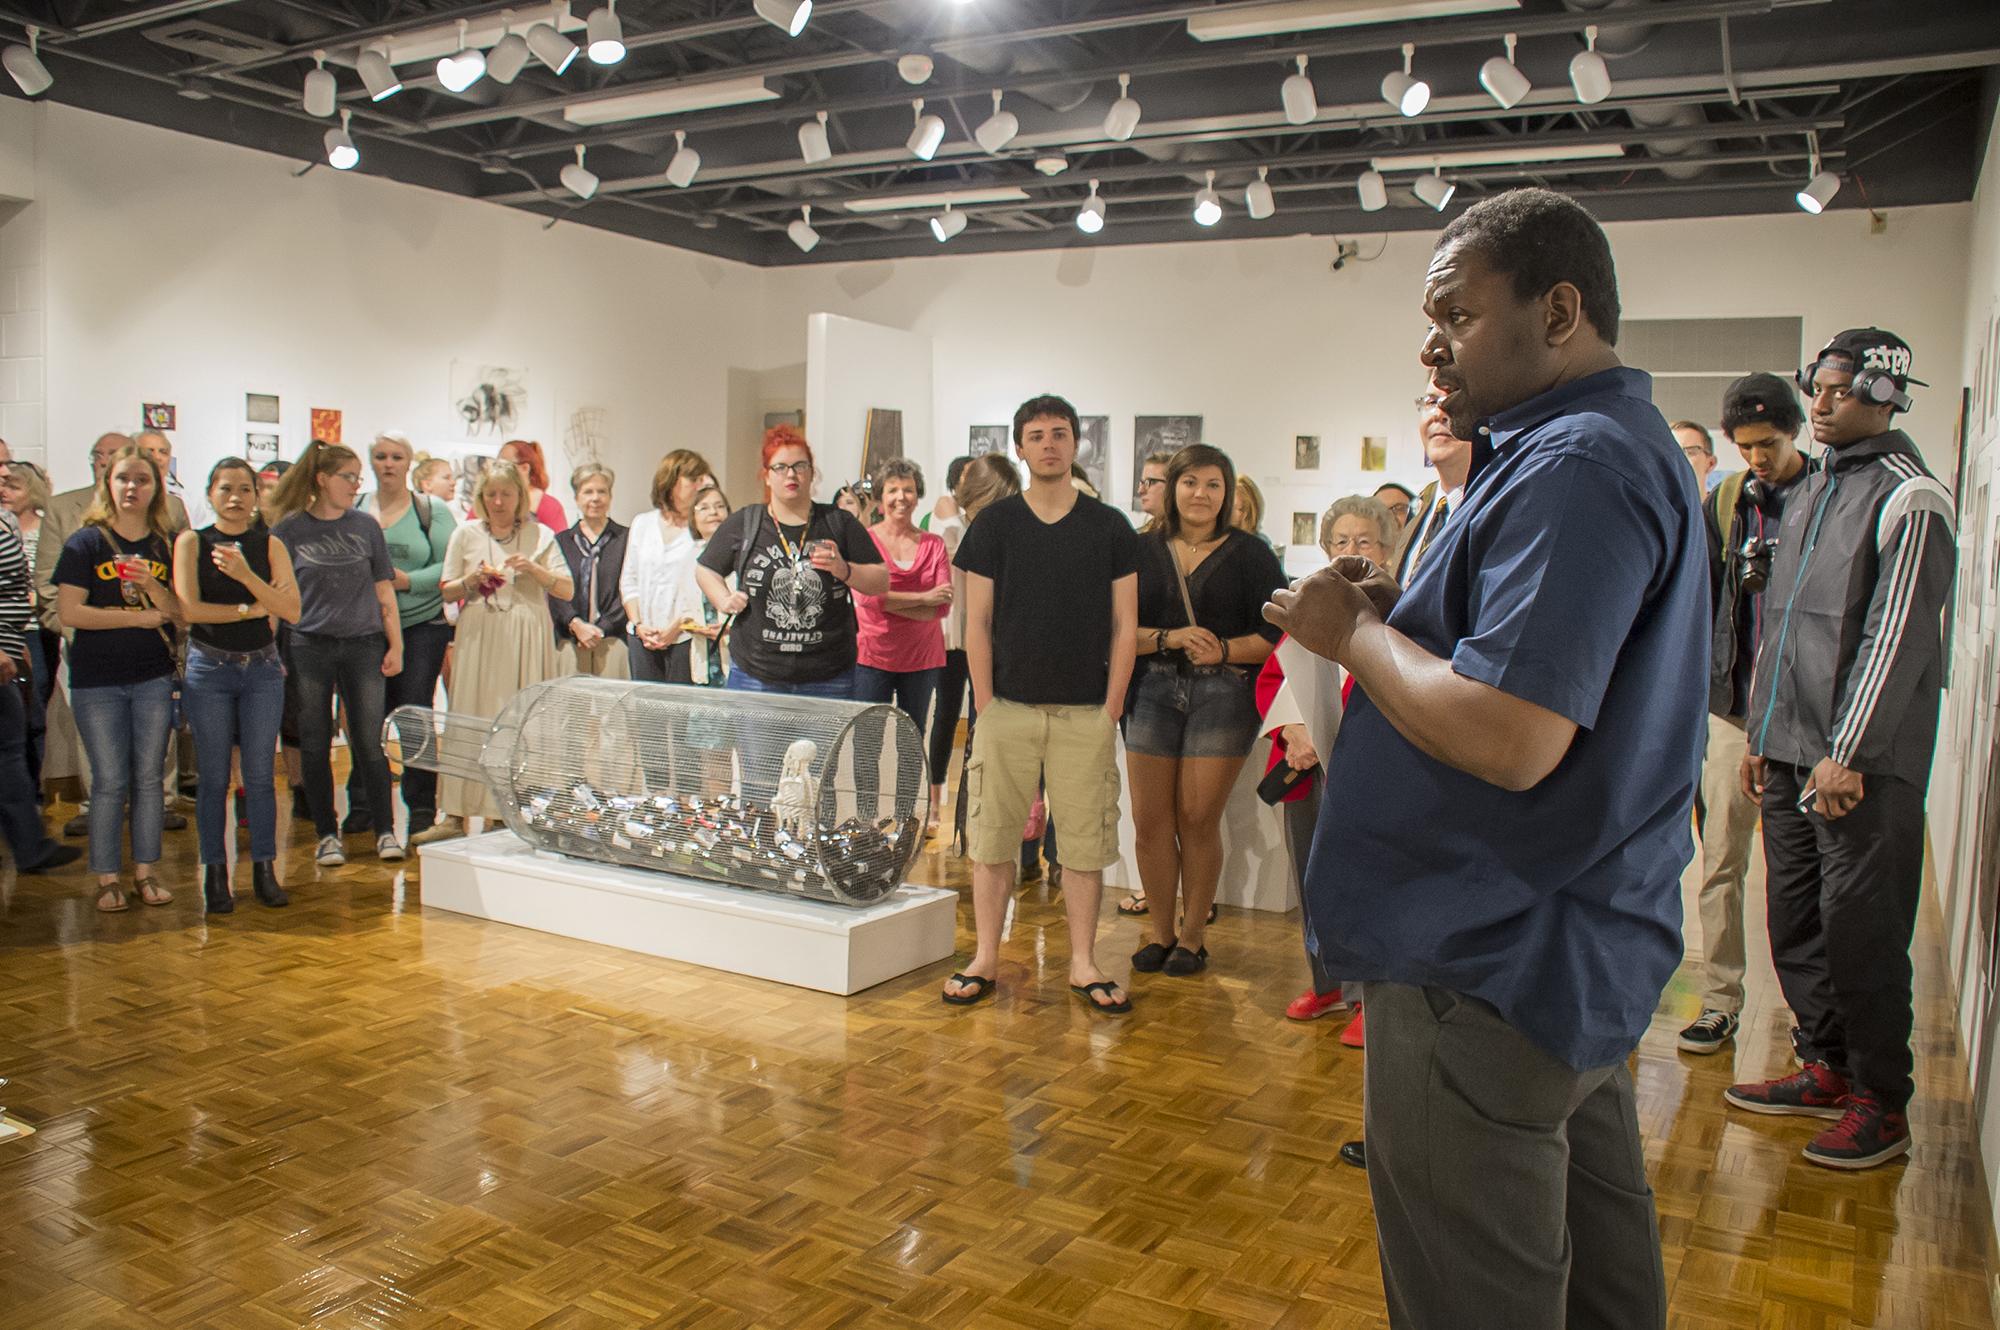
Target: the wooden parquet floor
pixel 354 1112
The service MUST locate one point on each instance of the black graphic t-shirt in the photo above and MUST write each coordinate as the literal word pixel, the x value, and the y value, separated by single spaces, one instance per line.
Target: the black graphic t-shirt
pixel 114 657
pixel 799 625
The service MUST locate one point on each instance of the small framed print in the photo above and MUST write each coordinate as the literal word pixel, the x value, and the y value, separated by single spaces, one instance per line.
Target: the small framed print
pixel 1305 452
pixel 1305 529
pixel 158 415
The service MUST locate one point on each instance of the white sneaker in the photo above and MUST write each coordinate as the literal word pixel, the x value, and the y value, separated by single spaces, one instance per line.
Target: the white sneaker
pixel 387 850
pixel 330 854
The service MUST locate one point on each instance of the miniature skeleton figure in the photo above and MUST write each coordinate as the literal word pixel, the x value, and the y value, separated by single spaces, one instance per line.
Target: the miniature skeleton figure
pixel 798 792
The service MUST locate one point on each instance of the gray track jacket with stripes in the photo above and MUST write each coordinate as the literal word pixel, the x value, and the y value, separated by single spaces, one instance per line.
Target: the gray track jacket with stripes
pixel 1851 659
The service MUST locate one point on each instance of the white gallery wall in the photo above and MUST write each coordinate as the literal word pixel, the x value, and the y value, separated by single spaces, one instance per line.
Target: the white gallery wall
pixel 189 272
pixel 1265 342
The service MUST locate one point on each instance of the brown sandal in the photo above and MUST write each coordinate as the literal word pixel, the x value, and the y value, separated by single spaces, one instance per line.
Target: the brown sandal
pixel 115 893
pixel 152 893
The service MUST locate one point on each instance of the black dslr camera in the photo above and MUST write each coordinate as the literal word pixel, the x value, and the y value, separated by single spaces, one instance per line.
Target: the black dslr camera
pixel 1758 550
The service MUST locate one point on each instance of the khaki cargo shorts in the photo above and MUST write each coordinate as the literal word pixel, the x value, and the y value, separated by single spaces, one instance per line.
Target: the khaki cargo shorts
pixel 1069 749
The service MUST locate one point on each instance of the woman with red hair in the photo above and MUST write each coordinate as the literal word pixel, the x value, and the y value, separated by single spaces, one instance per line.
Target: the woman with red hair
pixel 543 506
pixel 798 565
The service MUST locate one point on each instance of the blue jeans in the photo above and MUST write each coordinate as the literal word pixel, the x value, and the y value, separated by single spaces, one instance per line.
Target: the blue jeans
pixel 424 645
pixel 124 729
pixel 840 685
pixel 20 818
pixel 235 706
pixel 352 666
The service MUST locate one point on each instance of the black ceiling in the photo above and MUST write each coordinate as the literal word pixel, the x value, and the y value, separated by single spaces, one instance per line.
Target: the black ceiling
pixel 1716 104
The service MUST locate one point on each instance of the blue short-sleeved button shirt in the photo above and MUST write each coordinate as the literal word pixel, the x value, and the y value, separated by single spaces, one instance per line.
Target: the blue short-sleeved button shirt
pixel 1574 576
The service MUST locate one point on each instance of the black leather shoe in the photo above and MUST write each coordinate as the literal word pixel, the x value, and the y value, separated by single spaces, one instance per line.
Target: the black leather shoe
pixel 265 883
pixel 356 822
pixel 1150 958
pixel 77 827
pixel 173 822
pixel 1355 1153
pixel 57 856
pixel 1182 962
pixel 215 889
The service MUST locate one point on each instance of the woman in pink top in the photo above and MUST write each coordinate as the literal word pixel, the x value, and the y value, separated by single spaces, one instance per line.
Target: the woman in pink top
pixel 901 634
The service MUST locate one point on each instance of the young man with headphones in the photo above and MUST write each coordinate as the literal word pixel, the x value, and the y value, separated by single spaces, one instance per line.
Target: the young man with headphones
pixel 1842 724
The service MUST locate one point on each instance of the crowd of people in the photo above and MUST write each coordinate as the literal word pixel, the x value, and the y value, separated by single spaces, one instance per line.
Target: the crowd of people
pixel 1553 659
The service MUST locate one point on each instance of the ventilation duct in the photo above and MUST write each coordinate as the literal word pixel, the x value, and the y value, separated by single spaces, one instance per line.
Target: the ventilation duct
pixel 1616 40
pixel 1675 152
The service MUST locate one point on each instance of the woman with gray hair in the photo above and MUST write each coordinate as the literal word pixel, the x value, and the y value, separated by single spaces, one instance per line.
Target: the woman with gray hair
pixel 900 634
pixel 590 625
pixel 1359 525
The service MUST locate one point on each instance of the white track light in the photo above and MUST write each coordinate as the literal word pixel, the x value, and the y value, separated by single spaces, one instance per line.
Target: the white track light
pixel 1434 189
pixel 1374 191
pixel 998 129
pixel 812 141
pixel 947 224
pixel 1503 80
pixel 1207 204
pixel 1123 118
pixel 465 67
pixel 378 74
pixel 1258 198
pixel 510 54
pixel 1819 192
pixel 554 50
pixel 25 64
pixel 1588 73
pixel 787 16
pixel 1301 102
pixel 1402 89
pixel 579 179
pixel 915 68
pixel 1090 217
pixel 929 133
pixel 606 35
pixel 686 161
pixel 341 154
pixel 321 91
pixel 801 230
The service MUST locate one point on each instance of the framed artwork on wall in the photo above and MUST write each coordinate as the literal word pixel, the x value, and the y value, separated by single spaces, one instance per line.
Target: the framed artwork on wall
pixel 1093 452
pixel 1305 452
pixel 882 440
pixel 158 415
pixel 984 439
pixel 260 408
pixel 1159 434
pixel 325 425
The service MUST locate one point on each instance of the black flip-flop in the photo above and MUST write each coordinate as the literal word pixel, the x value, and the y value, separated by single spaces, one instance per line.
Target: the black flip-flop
pixel 1130 913
pixel 1105 986
pixel 982 989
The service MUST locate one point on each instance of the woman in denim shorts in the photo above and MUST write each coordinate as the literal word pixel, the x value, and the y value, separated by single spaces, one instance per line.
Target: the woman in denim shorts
pixel 1202 636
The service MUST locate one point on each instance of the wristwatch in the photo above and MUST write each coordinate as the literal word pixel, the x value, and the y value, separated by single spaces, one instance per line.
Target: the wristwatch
pixel 244 610
pixel 1159 639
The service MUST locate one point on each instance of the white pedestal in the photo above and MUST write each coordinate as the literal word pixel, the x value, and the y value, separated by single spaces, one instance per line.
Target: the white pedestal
pixel 832 948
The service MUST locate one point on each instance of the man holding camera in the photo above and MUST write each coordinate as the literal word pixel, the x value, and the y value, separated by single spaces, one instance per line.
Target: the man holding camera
pixel 1842 725
pixel 1761 416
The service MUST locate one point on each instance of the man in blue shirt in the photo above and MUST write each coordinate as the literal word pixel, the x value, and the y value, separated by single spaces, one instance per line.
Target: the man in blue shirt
pixel 1507 878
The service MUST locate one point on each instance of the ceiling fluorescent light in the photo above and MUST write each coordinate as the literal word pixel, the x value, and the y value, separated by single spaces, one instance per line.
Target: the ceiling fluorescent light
pixel 1430 161
pixel 378 74
pixel 426 45
pixel 1503 79
pixel 1374 191
pixel 579 179
pixel 1301 103
pixel 670 101
pixel 787 16
pixel 1123 118
pixel 24 63
pixel 686 161
pixel 813 146
pixel 801 230
pixel 321 90
pixel 1257 198
pixel 1588 73
pixel 925 139
pixel 1090 217
pixel 1239 21
pixel 607 36
pixel 937 199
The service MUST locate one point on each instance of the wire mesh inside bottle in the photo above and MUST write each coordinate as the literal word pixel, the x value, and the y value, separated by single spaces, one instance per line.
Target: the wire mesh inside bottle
pixel 803 796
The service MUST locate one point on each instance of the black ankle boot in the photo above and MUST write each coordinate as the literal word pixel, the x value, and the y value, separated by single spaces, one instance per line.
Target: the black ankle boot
pixel 265 882
pixel 215 888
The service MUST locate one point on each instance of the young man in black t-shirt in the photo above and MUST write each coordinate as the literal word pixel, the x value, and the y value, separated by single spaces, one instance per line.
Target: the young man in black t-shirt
pixel 1051 627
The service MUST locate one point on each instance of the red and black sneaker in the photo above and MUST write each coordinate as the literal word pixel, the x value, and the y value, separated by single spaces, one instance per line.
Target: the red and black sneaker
pixel 1866 1135
pixel 1816 1092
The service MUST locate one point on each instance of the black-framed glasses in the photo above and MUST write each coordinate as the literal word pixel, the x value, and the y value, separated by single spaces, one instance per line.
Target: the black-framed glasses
pixel 790 468
pixel 1147 482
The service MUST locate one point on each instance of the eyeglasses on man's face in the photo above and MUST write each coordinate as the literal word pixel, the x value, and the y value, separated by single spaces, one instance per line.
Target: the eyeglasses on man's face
pixel 1430 401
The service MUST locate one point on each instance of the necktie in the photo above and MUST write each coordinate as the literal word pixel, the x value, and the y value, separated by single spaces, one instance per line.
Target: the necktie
pixel 1441 511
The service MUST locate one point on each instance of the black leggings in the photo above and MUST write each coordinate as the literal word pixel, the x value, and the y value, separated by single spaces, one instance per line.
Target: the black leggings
pixel 950 705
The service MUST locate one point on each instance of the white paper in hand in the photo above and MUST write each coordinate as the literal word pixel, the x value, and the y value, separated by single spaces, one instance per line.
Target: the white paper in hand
pixel 1313 683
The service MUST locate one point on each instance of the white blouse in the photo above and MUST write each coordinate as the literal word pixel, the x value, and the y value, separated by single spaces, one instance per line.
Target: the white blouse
pixel 658 577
